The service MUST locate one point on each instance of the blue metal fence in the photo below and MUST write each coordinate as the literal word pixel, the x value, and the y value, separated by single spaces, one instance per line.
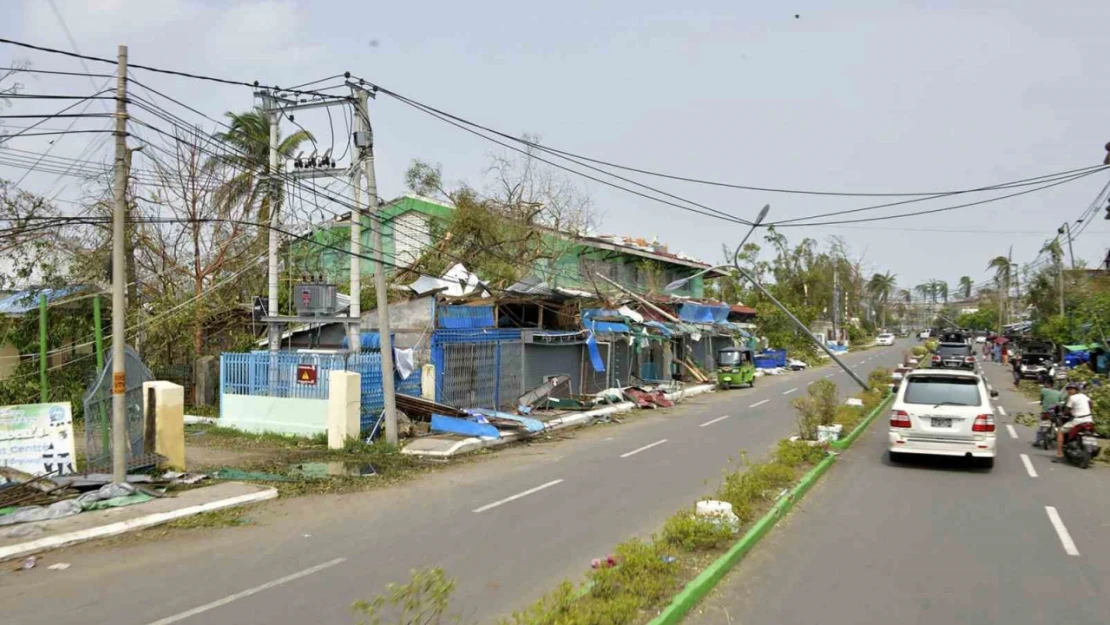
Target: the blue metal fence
pixel 478 368
pixel 249 374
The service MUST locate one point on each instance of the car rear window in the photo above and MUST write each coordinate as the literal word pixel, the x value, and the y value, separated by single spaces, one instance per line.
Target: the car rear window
pixel 886 336
pixel 937 389
pixel 954 350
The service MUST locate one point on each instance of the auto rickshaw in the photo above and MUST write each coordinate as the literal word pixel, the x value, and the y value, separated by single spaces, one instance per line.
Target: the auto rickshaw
pixel 735 367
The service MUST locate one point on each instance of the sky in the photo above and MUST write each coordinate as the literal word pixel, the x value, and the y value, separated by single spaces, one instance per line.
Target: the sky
pixel 873 96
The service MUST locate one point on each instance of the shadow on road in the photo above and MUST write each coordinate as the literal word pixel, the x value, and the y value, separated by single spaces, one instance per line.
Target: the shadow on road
pixel 936 463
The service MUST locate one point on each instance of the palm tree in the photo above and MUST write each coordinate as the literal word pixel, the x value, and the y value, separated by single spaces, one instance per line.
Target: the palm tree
pixel 941 289
pixel 965 287
pixel 881 286
pixel 1002 268
pixel 248 136
pixel 1056 252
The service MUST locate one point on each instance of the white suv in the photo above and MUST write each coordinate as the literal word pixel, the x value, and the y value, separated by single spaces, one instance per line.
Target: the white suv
pixel 944 413
pixel 885 339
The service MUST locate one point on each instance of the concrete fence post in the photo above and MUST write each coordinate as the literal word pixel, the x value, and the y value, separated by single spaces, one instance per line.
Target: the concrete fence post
pixel 344 403
pixel 167 400
pixel 428 382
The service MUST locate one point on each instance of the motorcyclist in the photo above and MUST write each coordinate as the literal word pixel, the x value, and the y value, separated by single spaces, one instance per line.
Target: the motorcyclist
pixel 1078 408
pixel 1051 397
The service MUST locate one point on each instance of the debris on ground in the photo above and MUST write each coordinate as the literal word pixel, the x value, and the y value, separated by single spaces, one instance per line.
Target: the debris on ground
pixel 60 566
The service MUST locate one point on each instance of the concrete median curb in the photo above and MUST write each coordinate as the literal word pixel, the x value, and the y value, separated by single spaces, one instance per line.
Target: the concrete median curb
pixel 253 494
pixel 697 589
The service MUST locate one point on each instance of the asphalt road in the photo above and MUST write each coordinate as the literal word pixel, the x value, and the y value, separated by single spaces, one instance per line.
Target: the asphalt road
pixel 934 541
pixel 507 529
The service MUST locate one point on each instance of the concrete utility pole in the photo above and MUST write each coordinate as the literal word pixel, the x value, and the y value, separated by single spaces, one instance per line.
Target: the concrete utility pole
pixel 1060 278
pixel 835 303
pixel 376 223
pixel 274 328
pixel 119 279
pixel 354 331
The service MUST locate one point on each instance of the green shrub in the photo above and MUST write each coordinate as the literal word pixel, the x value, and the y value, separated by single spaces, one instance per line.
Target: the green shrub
pixel 849 416
pixel 919 351
pixel 799 453
pixel 691 532
pixel 879 378
pixel 825 400
pixel 643 573
pixel 745 489
pixel 423 600
pixel 807 416
pixel 931 345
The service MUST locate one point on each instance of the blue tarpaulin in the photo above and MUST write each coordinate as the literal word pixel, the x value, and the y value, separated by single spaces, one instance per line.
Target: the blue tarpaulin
pixel 595 354
pixel 368 340
pixel 23 302
pixel 461 317
pixel 667 332
pixel 703 313
pixel 613 327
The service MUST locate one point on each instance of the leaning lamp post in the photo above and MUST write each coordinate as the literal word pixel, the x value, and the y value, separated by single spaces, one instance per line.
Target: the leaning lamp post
pixel 677 284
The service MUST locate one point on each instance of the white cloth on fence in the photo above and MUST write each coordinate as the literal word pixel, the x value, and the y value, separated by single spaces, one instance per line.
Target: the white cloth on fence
pixel 402 360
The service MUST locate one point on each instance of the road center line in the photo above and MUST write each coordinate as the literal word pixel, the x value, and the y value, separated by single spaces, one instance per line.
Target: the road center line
pixel 517 496
pixel 1028 466
pixel 636 451
pixel 1002 411
pixel 246 593
pixel 759 403
pixel 1011 430
pixel 712 421
pixel 1061 531
pixel 790 391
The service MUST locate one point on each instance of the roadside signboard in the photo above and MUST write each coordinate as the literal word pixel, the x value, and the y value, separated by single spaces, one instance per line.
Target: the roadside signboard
pixel 37 438
pixel 307 375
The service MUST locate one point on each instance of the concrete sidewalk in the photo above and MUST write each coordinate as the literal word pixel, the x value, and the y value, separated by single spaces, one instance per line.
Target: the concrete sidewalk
pixel 114 521
pixel 446 446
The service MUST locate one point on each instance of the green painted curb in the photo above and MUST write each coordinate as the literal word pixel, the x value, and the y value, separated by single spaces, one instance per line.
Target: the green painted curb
pixel 847 441
pixel 696 590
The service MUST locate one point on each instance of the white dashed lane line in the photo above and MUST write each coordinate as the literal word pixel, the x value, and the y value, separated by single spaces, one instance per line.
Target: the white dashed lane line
pixel 790 391
pixel 759 403
pixel 1011 430
pixel 1061 531
pixel 644 448
pixel 506 500
pixel 712 421
pixel 1028 466
pixel 1002 411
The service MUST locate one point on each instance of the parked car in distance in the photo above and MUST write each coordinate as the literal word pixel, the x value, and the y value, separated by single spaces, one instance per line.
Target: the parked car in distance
pixel 982 338
pixel 885 339
pixel 953 356
pixel 944 413
pixel 1036 358
pixel 923 335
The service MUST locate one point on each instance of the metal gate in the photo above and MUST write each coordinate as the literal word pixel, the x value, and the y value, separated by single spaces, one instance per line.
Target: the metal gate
pixel 98 415
pixel 482 375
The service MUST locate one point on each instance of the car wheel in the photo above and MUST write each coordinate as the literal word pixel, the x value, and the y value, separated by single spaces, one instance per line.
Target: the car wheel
pixel 986 463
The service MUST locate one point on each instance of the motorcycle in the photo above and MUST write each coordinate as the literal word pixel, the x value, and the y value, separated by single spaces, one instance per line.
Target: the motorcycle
pixel 1080 445
pixel 1046 430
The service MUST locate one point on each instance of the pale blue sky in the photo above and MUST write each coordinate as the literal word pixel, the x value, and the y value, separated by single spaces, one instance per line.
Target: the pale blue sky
pixel 876 96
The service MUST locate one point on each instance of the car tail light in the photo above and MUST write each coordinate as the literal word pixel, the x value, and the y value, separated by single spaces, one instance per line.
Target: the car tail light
pixel 983 423
pixel 899 419
pixel 969 359
pixel 936 357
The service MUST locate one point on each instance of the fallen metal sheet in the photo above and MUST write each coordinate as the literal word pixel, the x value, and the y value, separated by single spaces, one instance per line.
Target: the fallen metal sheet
pixel 455 425
pixel 423 409
pixel 640 397
pixel 535 395
pixel 526 423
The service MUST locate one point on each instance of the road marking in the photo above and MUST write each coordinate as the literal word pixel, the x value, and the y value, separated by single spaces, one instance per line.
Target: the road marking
pixel 517 496
pixel 246 593
pixel 1002 411
pixel 1061 531
pixel 759 403
pixel 1013 432
pixel 645 447
pixel 1028 466
pixel 1032 403
pixel 790 391
pixel 712 421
